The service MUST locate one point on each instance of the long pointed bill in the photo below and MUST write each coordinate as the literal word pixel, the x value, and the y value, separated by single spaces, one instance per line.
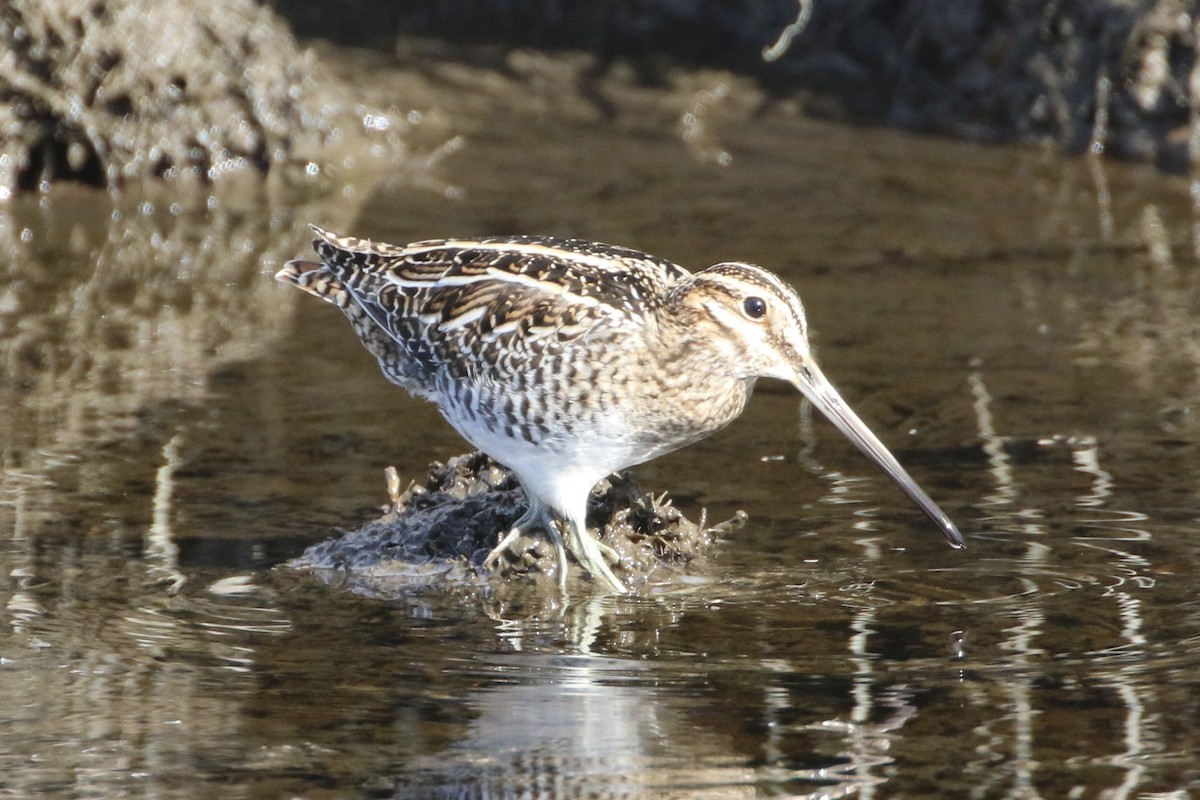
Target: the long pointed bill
pixel 817 388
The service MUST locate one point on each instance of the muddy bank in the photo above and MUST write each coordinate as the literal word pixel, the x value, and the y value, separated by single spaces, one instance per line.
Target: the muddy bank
pixel 1116 76
pixel 117 94
pixel 117 91
pixel 442 528
pixel 107 91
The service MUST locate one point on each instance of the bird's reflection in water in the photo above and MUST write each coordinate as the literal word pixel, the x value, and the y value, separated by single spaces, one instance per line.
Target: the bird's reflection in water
pixel 582 724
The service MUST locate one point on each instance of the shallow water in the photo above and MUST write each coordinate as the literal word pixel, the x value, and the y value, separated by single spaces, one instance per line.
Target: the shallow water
pixel 1020 328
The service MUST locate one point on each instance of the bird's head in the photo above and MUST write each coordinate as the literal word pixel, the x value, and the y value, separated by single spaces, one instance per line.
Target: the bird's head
pixel 755 325
pixel 756 321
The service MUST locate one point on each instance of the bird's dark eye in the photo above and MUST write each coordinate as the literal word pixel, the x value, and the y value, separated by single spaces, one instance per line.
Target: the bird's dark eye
pixel 755 307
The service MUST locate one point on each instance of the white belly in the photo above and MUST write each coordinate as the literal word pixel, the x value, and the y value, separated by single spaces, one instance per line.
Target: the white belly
pixel 560 471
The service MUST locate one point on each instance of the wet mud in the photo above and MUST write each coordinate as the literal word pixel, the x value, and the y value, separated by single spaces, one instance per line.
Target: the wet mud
pixel 442 528
pixel 116 92
pixel 112 91
pixel 1113 76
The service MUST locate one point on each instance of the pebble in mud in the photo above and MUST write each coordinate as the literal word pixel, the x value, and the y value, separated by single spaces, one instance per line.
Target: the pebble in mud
pixel 443 528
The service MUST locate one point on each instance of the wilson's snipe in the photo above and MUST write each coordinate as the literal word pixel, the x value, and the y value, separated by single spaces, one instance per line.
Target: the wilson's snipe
pixel 569 360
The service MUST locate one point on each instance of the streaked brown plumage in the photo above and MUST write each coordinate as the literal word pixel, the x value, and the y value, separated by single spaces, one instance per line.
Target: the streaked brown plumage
pixel 569 360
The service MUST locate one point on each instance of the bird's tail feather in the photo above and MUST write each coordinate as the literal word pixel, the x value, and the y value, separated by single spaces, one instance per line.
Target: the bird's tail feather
pixel 316 279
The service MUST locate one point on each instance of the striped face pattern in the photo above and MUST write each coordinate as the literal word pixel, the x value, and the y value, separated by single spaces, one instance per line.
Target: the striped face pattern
pixel 569 360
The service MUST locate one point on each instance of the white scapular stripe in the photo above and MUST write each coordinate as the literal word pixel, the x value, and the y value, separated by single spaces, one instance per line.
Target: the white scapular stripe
pixel 464 319
pixel 602 263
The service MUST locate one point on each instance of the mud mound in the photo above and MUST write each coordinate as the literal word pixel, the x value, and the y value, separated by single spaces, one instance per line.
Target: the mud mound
pixel 443 528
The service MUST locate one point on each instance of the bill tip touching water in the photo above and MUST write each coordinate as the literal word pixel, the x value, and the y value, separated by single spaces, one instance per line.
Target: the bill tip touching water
pixel 568 360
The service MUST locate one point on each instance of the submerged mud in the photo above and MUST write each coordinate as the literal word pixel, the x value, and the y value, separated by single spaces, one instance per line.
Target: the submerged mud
pixel 443 528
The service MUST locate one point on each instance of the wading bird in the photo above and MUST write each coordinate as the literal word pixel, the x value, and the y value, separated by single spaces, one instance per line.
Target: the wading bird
pixel 568 360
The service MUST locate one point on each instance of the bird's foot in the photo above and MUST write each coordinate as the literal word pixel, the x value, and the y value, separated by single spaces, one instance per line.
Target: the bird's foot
pixel 610 553
pixel 594 556
pixel 499 550
pixel 535 517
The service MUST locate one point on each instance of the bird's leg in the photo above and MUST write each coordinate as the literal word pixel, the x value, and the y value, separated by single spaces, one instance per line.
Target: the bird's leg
pixel 591 553
pixel 561 552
